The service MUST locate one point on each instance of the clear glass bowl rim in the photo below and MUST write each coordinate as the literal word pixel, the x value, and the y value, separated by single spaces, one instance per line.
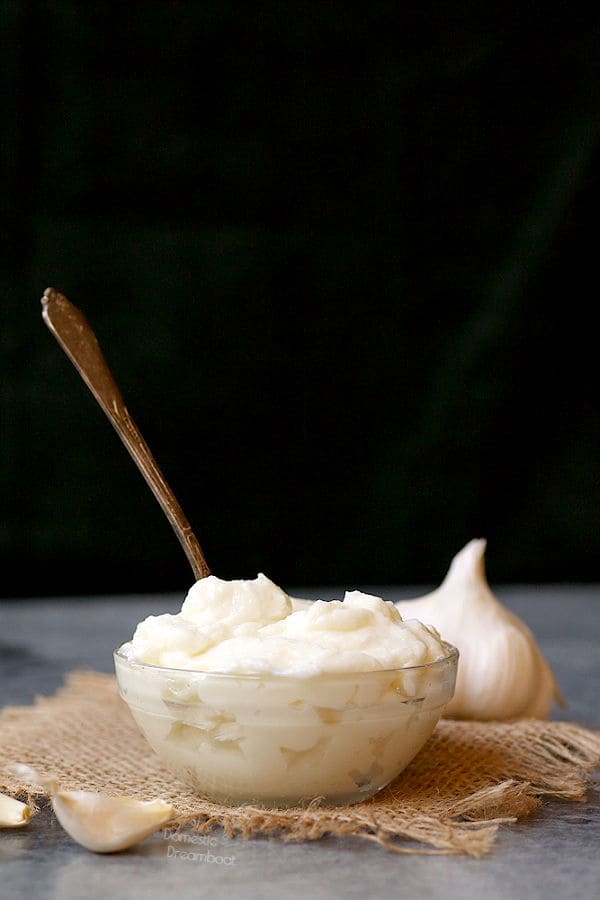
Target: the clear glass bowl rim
pixel 450 659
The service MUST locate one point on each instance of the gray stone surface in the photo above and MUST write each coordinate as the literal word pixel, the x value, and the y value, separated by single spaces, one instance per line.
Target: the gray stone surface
pixel 552 854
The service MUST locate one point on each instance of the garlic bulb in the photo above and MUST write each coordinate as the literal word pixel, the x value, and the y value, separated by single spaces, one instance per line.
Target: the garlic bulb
pixel 502 673
pixel 107 824
pixel 13 813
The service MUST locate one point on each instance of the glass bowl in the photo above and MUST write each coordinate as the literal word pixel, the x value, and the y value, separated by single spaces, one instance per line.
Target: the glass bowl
pixel 280 740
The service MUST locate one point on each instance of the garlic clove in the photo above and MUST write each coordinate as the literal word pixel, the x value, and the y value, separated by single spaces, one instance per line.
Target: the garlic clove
pixel 108 824
pixel 13 813
pixel 27 773
pixel 100 823
pixel 502 673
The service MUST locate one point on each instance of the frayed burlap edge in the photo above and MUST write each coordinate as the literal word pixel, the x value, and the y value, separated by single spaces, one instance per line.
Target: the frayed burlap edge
pixel 469 779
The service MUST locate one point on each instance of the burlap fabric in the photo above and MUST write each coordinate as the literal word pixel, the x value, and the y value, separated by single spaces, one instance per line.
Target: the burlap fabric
pixel 470 778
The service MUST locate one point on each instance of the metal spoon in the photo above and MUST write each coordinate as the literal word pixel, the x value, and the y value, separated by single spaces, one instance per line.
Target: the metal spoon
pixel 70 328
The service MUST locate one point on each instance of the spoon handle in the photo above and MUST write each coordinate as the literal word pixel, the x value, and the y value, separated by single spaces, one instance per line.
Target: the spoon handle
pixel 72 331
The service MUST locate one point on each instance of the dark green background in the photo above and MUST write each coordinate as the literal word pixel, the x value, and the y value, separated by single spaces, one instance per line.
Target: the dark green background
pixel 343 265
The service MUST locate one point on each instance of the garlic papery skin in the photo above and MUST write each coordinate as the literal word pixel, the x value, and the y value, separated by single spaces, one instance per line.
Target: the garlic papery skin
pixel 502 673
pixel 108 824
pixel 13 813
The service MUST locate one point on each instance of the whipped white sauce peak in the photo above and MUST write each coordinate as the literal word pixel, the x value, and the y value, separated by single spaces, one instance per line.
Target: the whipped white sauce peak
pixel 253 627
